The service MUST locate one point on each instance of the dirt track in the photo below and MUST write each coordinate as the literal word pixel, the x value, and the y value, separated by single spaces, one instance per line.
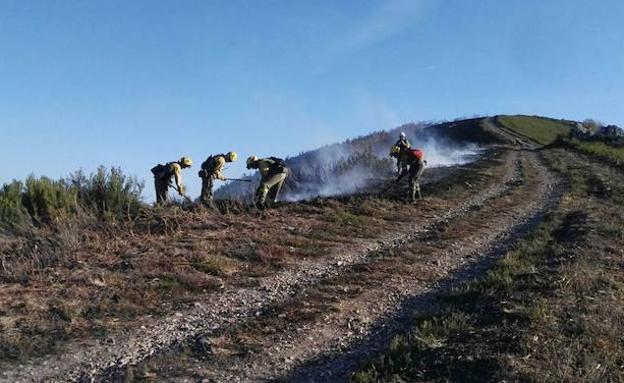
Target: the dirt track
pixel 313 322
pixel 308 339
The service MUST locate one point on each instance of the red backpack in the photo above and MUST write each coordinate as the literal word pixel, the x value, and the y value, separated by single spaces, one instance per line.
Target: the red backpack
pixel 419 154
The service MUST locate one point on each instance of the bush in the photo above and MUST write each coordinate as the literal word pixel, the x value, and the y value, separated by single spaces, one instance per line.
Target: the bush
pixel 47 200
pixel 108 194
pixel 11 209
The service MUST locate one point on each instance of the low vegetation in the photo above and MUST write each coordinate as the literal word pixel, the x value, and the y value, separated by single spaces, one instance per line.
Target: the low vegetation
pixel 598 149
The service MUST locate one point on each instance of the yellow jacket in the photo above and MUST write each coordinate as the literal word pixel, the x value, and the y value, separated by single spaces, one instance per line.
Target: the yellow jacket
pixel 176 171
pixel 218 167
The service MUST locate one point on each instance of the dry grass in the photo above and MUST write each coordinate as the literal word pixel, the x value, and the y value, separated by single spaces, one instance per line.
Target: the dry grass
pixel 91 277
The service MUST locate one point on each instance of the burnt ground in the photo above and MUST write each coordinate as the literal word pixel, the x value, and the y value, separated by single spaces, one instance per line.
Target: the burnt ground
pixel 305 292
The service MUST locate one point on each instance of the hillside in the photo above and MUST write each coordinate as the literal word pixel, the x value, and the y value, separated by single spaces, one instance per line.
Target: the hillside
pixel 509 269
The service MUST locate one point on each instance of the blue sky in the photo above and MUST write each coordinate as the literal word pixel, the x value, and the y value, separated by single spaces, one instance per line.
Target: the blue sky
pixel 133 83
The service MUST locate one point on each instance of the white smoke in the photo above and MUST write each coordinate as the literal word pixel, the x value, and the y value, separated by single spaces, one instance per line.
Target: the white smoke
pixel 440 154
pixel 358 165
pixel 350 174
pixel 347 169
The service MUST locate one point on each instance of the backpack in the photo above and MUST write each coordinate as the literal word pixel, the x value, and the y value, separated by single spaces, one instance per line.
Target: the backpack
pixel 278 165
pixel 161 171
pixel 395 151
pixel 417 153
pixel 208 165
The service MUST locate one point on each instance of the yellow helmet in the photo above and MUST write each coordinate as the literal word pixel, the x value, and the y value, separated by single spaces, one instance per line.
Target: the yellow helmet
pixel 186 161
pixel 251 160
pixel 232 156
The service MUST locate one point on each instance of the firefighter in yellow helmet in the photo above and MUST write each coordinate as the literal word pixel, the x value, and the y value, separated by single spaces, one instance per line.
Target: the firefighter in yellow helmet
pixel 273 172
pixel 163 175
pixel 211 169
pixel 399 151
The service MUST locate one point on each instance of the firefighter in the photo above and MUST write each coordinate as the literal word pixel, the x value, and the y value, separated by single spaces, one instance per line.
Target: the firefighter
pixel 211 169
pixel 397 151
pixel 402 142
pixel 273 172
pixel 416 166
pixel 163 175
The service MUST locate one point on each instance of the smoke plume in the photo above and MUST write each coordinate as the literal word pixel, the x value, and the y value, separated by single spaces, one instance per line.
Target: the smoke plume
pixel 357 165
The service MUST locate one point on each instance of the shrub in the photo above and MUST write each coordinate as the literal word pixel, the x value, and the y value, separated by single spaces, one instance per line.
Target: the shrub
pixel 12 212
pixel 110 193
pixel 47 200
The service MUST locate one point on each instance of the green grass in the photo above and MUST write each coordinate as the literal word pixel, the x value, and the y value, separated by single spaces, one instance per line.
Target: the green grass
pixel 599 149
pixel 212 265
pixel 542 130
pixel 342 218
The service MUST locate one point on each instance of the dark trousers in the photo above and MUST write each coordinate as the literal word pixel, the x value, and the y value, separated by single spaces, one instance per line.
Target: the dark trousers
pixel 207 196
pixel 162 186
